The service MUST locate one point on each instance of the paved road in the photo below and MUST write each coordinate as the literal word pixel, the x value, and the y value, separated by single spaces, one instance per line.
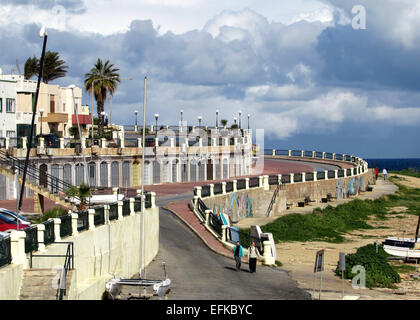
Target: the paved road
pixel 199 273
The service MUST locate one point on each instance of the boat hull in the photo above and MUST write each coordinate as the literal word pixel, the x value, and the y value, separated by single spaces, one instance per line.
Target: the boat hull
pixel 402 252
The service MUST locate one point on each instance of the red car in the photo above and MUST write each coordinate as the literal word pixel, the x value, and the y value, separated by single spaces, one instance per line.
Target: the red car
pixel 8 222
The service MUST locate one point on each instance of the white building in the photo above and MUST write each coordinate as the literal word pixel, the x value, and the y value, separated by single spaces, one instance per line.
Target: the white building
pixel 8 98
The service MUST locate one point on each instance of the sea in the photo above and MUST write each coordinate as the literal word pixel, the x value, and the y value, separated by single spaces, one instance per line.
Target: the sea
pixel 395 164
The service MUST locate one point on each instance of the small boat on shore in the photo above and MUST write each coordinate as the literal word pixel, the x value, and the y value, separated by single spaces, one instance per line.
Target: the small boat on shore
pixel 403 247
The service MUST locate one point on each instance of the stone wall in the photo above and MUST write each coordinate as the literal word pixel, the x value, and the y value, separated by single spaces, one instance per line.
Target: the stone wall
pixel 100 254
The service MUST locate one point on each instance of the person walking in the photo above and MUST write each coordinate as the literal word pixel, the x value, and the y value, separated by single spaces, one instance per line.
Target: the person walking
pixel 376 172
pixel 253 254
pixel 384 172
pixel 238 253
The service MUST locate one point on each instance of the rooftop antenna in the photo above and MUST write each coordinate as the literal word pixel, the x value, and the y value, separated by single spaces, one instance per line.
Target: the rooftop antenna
pixel 18 67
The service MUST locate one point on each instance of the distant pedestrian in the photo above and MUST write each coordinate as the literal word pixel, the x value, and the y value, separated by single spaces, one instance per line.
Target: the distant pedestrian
pixel 376 172
pixel 253 254
pixel 238 253
pixel 384 172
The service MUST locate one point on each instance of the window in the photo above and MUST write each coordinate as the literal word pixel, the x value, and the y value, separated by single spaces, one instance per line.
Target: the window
pixel 1 105
pixel 10 105
pixel 10 134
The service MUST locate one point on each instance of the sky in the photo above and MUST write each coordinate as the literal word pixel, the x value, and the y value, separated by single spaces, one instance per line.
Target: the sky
pixel 327 75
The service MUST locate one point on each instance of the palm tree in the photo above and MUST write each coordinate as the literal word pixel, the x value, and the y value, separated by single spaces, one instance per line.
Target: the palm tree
pixel 54 67
pixel 103 78
pixel 31 67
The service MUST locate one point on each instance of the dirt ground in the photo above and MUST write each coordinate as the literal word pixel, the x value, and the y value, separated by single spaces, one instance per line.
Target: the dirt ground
pixel 298 258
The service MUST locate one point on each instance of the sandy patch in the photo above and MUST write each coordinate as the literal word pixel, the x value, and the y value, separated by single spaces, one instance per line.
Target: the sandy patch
pixel 299 257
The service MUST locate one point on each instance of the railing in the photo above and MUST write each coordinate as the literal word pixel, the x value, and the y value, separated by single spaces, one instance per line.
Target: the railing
pixel 229 186
pixel 297 177
pixel 309 176
pixel 205 191
pixel 43 179
pixel 285 178
pixel 215 223
pixel 126 207
pixel 273 199
pixel 31 239
pixel 5 251
pixel 320 175
pixel 49 235
pixel 201 206
pixel 273 180
pixel 240 184
pixel 113 210
pixel 83 220
pixel 99 217
pixel 68 265
pixel 254 182
pixel 217 188
pixel 65 226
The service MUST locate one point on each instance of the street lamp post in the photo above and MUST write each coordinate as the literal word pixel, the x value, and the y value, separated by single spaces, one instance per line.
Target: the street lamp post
pixel 240 119
pixel 217 118
pixel 135 127
pixel 248 120
pixel 41 112
pixel 234 120
pixel 156 118
pixel 199 121
pixel 42 34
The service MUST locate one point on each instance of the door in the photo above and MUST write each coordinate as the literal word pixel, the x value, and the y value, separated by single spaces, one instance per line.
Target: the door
pixel 43 180
pixel 209 170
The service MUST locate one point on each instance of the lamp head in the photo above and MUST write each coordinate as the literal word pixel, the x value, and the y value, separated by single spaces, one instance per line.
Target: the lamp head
pixel 72 86
pixel 156 115
pixel 217 111
pixel 41 111
pixel 135 111
pixel 42 32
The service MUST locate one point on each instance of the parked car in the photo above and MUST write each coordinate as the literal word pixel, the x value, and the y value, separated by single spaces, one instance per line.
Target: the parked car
pixel 4 234
pixel 50 140
pixel 8 222
pixel 22 219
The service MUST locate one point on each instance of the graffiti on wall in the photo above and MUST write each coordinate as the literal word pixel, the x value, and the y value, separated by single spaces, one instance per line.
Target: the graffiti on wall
pixel 353 187
pixel 236 206
pixel 340 190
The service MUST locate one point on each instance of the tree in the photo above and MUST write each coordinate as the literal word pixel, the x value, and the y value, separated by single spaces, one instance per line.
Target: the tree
pixel 223 122
pixel 54 67
pixel 82 192
pixel 31 68
pixel 104 79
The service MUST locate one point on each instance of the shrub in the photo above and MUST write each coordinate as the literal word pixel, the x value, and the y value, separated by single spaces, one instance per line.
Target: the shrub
pixel 379 273
pixel 52 213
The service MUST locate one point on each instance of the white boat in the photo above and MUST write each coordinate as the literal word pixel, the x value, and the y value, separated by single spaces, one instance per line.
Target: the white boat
pixel 403 252
pixel 160 287
pixel 403 247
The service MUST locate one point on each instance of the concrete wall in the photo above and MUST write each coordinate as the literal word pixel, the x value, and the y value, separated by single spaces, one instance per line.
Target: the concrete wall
pixel 254 202
pixel 100 254
pixel 246 203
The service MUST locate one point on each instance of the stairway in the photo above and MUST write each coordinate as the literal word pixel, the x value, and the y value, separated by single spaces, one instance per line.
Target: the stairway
pixel 42 284
pixel 7 166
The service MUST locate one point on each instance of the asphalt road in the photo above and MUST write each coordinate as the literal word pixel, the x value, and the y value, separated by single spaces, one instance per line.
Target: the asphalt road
pixel 197 273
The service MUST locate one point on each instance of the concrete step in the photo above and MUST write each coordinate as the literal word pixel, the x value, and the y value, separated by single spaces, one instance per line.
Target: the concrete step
pixel 41 284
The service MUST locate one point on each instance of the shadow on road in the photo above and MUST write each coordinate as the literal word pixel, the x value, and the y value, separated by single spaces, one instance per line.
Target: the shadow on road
pixel 234 269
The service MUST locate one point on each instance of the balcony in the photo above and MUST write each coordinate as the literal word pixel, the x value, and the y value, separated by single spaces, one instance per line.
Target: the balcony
pixel 56 118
